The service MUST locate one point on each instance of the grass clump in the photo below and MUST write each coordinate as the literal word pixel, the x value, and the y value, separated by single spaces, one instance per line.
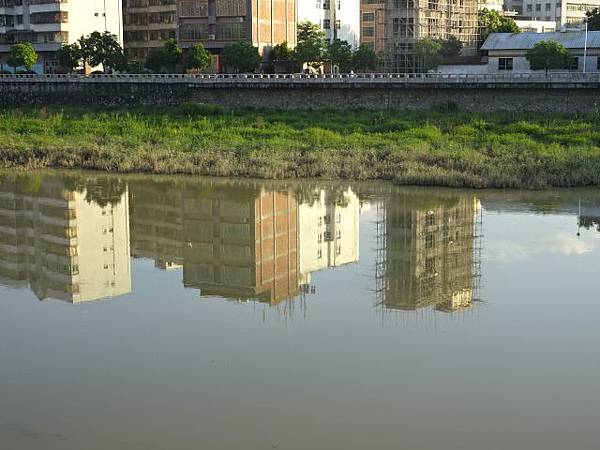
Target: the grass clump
pixel 440 147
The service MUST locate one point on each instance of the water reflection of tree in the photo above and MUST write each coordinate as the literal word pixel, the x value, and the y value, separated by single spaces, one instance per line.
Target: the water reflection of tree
pixel 589 222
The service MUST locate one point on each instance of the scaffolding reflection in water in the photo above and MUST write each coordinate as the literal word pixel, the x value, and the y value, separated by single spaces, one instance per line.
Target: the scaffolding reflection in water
pixel 428 253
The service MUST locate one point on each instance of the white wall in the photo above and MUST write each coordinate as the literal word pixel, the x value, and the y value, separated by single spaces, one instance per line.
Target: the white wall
pixel 348 14
pixel 88 16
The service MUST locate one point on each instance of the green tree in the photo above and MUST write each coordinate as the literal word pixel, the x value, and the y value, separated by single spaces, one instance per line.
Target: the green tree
pixel 428 54
pixel 22 55
pixel 490 21
pixel 69 56
pixel 364 59
pixel 282 51
pixel 547 55
pixel 340 53
pixel 196 57
pixel 102 49
pixel 242 57
pixel 593 19
pixel 164 59
pixel 451 47
pixel 311 45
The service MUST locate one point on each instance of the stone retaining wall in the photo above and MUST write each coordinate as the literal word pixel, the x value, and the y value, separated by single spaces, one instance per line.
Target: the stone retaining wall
pixel 467 98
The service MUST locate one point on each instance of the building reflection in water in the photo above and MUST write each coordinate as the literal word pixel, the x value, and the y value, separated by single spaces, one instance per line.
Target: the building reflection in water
pixel 63 239
pixel 428 253
pixel 69 238
pixel 241 240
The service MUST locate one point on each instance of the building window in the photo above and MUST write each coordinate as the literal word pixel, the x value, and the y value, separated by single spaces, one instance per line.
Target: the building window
pixel 538 7
pixel 598 63
pixel 529 8
pixel 505 64
pixel 368 31
pixel 548 6
pixel 338 24
pixel 574 63
pixel 368 17
pixel 326 24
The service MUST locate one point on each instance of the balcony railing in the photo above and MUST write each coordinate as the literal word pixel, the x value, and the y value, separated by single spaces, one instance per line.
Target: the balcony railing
pixel 333 79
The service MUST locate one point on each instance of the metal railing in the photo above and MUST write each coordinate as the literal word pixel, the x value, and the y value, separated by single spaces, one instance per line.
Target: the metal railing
pixel 358 78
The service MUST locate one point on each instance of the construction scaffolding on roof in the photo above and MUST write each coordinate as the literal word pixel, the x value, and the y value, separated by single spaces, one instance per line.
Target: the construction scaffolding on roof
pixel 408 21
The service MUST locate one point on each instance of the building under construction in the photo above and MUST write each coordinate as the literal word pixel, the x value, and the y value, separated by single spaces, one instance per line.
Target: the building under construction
pixel 391 28
pixel 428 252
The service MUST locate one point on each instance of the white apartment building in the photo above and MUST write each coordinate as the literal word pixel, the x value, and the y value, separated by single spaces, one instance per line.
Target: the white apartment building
pixel 339 19
pixel 536 26
pixel 61 244
pixel 48 24
pixel 328 232
pixel 566 13
pixel 491 5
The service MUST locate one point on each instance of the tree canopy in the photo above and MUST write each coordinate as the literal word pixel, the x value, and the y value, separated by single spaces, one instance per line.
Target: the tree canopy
pixel 241 57
pixel 340 53
pixel 548 55
pixel 22 55
pixel 451 47
pixel 69 56
pixel 593 19
pixel 311 46
pixel 196 57
pixel 102 49
pixel 364 58
pixel 282 51
pixel 165 59
pixel 428 53
pixel 491 21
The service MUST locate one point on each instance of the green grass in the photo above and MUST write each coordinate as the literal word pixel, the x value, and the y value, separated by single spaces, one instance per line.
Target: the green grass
pixel 520 150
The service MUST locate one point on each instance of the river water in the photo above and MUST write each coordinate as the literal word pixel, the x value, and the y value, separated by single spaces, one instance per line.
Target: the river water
pixel 183 313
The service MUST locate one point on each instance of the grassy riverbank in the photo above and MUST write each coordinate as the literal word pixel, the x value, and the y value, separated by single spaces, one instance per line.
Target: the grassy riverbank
pixel 427 148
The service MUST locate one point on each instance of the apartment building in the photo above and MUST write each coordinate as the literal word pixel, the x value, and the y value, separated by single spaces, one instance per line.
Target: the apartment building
pixel 372 24
pixel 391 27
pixel 428 256
pixel 565 13
pixel 147 24
pixel 48 24
pixel 230 240
pixel 212 23
pixel 216 23
pixel 339 19
pixel 60 243
pixel 242 243
pixel 328 231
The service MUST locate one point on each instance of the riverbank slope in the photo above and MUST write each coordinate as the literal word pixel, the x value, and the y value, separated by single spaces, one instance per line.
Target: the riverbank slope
pixel 443 148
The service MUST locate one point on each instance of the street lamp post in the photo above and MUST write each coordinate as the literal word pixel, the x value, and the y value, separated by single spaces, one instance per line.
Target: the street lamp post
pixel 585 45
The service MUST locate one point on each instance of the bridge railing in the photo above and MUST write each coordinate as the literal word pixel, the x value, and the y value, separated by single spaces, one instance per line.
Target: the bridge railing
pixel 355 78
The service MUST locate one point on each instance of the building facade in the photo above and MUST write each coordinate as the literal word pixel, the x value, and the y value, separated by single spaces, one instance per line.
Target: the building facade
pixel 407 21
pixel 373 24
pixel 212 23
pixel 147 24
pixel 62 244
pixel 339 19
pixel 506 52
pixel 565 13
pixel 429 256
pixel 328 231
pixel 48 24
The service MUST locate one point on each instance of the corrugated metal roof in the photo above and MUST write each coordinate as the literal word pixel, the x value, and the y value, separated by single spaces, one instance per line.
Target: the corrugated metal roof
pixel 524 41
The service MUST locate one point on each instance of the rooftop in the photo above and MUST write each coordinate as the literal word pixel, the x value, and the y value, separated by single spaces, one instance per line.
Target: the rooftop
pixel 526 40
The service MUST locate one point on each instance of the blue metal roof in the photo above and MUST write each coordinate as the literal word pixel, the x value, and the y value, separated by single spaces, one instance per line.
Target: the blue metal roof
pixel 524 41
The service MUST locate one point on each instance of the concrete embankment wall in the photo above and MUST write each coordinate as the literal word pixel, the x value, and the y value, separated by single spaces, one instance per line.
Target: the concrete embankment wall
pixel 540 98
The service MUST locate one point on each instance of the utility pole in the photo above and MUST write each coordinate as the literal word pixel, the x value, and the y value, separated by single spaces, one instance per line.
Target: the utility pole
pixel 585 45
